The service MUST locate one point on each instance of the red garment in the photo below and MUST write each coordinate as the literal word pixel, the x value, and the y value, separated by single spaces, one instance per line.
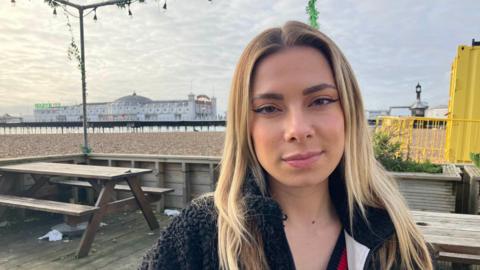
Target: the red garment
pixel 338 259
pixel 343 264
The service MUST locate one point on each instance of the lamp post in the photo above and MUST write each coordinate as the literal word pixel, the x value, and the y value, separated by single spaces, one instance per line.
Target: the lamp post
pixel 81 9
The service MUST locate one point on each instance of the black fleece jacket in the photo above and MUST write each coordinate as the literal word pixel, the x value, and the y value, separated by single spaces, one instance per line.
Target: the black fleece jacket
pixel 190 241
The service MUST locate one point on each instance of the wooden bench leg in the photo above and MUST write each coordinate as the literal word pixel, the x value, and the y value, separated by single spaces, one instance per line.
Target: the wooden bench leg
pixel 6 186
pixel 98 187
pixel 94 221
pixel 39 182
pixel 90 196
pixel 95 185
pixel 134 184
pixel 160 203
pixel 75 198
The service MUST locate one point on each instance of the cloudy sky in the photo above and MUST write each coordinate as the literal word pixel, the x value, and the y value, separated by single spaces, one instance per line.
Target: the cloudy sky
pixel 194 45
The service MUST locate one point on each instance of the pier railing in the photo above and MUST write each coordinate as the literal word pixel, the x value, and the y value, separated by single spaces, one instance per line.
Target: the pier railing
pixel 56 127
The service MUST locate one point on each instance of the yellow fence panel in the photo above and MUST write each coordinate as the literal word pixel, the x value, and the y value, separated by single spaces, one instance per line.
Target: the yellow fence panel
pixel 420 138
pixel 438 140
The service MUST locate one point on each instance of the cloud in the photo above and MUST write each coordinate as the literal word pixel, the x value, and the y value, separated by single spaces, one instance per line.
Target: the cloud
pixel 194 46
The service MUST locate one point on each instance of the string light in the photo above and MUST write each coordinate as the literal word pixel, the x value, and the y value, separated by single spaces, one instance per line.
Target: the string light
pixel 95 18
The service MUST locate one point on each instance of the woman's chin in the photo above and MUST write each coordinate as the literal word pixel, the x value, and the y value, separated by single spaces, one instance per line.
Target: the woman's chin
pixel 301 181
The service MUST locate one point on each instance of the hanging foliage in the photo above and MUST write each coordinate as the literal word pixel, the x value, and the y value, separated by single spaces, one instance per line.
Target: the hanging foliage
pixel 126 3
pixel 312 13
pixel 73 51
pixel 51 3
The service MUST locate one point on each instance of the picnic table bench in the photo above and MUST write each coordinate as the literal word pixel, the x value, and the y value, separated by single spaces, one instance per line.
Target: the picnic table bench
pixel 456 237
pixel 103 179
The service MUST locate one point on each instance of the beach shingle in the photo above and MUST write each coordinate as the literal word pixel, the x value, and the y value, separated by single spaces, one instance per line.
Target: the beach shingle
pixel 161 143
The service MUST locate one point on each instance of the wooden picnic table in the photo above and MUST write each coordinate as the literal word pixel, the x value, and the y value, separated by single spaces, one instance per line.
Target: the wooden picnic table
pixel 101 178
pixel 455 236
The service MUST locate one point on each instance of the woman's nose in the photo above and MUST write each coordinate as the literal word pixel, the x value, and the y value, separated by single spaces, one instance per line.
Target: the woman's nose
pixel 297 127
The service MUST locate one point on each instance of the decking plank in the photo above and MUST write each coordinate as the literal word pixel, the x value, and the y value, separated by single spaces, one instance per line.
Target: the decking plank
pixel 36 254
pixel 108 257
pixel 107 236
pixel 131 262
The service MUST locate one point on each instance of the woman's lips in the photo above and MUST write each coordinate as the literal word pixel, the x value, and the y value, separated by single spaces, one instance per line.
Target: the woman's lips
pixel 303 160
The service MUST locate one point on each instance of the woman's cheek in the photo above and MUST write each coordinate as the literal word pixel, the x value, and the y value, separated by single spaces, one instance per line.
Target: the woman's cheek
pixel 266 138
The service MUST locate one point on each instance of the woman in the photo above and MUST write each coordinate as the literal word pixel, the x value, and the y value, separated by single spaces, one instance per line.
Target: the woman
pixel 299 187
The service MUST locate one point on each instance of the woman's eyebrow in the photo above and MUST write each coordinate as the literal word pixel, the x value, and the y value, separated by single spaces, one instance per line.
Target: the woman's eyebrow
pixel 268 96
pixel 318 87
pixel 306 92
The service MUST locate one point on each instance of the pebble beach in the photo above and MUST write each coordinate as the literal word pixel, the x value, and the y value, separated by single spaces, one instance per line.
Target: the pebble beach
pixel 160 143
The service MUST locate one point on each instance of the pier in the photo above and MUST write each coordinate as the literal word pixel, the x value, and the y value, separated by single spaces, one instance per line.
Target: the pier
pixel 111 127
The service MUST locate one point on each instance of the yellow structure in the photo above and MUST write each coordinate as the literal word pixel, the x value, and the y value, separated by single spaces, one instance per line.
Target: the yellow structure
pixel 463 131
pixel 445 140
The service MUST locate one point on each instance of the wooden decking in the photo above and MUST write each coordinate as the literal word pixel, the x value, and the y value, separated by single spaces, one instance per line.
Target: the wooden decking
pixel 116 246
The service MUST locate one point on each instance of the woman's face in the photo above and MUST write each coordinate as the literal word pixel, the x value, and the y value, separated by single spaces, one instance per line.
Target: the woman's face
pixel 297 123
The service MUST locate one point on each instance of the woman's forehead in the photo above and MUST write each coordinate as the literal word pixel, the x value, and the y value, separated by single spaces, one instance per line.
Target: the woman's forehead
pixel 296 67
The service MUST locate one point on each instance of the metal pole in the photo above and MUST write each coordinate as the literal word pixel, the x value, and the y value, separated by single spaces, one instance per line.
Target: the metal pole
pixel 84 84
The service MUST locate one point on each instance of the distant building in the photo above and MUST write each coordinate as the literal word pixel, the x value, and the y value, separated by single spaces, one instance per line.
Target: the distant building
pixel 399 111
pixel 440 111
pixel 8 119
pixel 132 108
pixel 372 115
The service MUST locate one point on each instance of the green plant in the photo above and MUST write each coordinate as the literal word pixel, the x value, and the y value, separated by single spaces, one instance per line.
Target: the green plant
pixel 383 146
pixel 312 13
pixel 475 157
pixel 85 150
pixel 388 154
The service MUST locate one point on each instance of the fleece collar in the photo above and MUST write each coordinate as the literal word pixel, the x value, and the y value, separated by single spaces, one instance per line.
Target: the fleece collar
pixel 371 233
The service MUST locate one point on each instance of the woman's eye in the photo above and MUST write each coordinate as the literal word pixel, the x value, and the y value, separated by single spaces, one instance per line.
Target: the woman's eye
pixel 266 110
pixel 323 101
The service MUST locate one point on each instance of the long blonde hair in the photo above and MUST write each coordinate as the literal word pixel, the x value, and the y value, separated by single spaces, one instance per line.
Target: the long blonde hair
pixel 367 183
